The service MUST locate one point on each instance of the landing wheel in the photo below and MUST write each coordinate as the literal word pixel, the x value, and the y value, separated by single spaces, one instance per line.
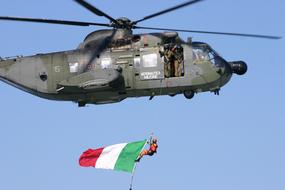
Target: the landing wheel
pixel 81 104
pixel 189 94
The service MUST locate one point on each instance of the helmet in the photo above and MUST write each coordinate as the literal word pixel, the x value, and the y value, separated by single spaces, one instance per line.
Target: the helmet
pixel 154 140
pixel 179 48
pixel 166 46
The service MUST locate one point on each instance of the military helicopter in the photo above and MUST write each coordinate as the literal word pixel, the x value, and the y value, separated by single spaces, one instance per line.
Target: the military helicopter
pixel 112 65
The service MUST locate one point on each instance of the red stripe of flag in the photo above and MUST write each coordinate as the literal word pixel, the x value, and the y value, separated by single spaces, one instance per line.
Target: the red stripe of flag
pixel 90 157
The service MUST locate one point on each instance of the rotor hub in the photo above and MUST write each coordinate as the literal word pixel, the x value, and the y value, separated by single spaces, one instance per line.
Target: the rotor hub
pixel 122 23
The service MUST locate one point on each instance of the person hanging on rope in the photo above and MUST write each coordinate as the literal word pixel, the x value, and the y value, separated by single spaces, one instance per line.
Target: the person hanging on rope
pixel 151 151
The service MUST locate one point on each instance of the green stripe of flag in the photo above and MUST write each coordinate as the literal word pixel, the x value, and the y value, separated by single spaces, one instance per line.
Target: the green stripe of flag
pixel 126 159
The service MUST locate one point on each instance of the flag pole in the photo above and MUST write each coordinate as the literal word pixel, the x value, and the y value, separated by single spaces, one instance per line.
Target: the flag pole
pixel 132 178
pixel 135 166
pixel 134 170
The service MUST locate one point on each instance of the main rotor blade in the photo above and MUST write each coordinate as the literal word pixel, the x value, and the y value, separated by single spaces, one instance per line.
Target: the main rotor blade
pixel 95 10
pixel 168 10
pixel 51 21
pixel 208 32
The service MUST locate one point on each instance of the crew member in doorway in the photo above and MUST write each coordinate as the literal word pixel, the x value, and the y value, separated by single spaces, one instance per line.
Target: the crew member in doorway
pixel 178 60
pixel 168 60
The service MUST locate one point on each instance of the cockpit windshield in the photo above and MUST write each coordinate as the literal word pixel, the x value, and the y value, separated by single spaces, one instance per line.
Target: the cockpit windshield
pixel 203 52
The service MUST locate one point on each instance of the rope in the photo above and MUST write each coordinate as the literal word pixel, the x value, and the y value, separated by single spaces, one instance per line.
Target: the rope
pixel 150 138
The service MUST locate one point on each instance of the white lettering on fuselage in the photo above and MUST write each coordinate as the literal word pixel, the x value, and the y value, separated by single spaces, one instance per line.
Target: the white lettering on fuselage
pixel 150 75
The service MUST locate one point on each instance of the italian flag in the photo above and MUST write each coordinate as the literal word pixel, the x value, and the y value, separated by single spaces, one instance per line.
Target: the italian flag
pixel 120 157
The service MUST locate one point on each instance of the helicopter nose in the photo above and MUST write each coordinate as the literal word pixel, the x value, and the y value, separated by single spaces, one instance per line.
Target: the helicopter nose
pixel 238 67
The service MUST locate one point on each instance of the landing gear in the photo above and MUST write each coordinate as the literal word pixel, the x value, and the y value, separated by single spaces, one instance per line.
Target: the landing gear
pixel 216 92
pixel 189 94
pixel 81 104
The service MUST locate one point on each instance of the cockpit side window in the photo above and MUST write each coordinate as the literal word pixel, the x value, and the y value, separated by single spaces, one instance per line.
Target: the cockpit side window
pixel 206 54
pixel 200 54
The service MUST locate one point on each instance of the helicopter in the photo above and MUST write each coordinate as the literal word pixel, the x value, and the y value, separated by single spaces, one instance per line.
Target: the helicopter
pixel 113 64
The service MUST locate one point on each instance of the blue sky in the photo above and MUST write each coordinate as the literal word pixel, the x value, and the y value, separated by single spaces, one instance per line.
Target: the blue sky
pixel 232 141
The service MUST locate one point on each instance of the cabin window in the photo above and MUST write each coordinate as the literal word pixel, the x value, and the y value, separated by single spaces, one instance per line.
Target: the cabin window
pixel 137 62
pixel 106 63
pixel 73 67
pixel 150 60
pixel 43 76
